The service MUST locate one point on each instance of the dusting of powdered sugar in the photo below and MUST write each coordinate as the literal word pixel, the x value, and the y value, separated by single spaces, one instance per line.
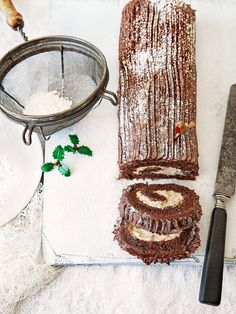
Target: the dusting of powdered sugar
pixel 46 103
pixel 78 87
pixel 141 104
pixel 148 61
pixel 161 4
pixel 10 171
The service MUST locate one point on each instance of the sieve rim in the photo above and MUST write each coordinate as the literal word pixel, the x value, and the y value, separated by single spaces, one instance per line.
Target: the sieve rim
pixel 24 50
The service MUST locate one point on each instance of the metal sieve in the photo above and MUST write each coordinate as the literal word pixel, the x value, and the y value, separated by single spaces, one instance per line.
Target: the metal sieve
pixel 46 64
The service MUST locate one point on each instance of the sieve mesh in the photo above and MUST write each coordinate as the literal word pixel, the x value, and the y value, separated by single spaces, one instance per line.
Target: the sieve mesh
pixel 54 63
pixel 63 71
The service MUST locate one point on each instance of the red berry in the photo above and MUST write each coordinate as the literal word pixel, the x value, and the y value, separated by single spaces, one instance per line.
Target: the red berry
pixel 177 130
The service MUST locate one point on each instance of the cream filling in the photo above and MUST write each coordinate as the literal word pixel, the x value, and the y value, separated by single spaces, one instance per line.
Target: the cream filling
pixel 172 199
pixel 145 235
pixel 169 171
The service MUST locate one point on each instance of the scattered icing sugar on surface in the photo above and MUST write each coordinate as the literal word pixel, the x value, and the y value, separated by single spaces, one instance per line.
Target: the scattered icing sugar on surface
pixel 46 103
pixel 10 170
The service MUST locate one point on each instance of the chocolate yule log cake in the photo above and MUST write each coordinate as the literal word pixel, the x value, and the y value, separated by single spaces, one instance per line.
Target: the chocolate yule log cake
pixel 157 91
pixel 158 222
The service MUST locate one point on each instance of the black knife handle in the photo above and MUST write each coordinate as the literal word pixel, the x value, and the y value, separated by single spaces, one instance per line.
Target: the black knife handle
pixel 212 273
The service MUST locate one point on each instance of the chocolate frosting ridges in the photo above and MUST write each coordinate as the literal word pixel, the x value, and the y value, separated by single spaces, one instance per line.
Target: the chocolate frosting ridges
pixel 157 89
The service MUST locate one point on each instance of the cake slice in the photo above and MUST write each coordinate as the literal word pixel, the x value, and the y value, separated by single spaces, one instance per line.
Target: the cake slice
pixel 153 248
pixel 160 208
pixel 158 222
pixel 157 91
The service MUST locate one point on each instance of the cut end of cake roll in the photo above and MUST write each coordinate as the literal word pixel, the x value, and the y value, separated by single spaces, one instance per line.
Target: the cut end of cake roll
pixel 154 169
pixel 157 91
pixel 158 222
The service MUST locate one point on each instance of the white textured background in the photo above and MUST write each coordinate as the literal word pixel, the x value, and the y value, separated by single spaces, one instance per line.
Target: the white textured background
pixel 111 289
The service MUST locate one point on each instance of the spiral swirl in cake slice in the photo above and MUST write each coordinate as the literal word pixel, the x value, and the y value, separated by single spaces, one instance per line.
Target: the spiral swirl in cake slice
pixel 160 208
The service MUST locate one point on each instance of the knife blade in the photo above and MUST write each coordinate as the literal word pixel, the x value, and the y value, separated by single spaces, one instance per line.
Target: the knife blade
pixel 212 273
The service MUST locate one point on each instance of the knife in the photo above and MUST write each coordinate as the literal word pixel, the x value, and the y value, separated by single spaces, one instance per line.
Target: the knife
pixel 212 273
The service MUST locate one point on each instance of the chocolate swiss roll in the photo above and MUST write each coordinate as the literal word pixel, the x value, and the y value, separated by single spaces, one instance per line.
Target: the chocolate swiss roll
pixel 153 248
pixel 160 208
pixel 157 91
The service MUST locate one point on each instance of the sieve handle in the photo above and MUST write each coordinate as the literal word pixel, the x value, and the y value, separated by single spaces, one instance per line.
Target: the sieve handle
pixel 27 134
pixel 112 97
pixel 14 18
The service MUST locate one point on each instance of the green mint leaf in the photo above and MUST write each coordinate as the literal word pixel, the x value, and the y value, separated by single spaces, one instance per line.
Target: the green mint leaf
pixel 84 150
pixel 69 149
pixel 58 153
pixel 74 139
pixel 47 167
pixel 64 170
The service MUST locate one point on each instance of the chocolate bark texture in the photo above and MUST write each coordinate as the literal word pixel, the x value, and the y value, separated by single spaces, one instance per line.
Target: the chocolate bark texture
pixel 160 208
pixel 158 251
pixel 157 89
